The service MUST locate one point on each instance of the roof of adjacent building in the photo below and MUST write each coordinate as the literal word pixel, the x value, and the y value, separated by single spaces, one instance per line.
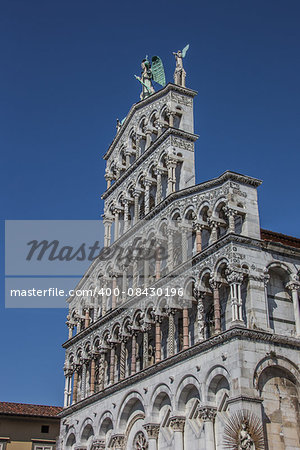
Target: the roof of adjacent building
pixel 25 409
pixel 268 235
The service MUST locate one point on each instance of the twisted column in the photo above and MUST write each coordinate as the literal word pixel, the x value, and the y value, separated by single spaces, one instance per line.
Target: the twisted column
pixel 122 358
pixel 199 296
pixel 133 354
pixel 171 335
pixel 101 368
pixel 217 309
pixel 112 364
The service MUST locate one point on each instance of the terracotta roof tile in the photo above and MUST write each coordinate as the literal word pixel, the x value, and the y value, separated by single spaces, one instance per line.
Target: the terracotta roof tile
pixel 29 410
pixel 267 235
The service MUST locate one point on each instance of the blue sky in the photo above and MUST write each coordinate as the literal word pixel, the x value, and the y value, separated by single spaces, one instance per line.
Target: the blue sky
pixel 67 74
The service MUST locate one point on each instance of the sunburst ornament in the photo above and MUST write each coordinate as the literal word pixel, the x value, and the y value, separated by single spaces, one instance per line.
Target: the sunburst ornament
pixel 243 431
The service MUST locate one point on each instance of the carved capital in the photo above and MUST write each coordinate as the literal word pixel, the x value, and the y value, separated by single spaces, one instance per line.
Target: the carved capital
pixel 177 423
pixel 152 430
pixel 207 413
pixel 234 276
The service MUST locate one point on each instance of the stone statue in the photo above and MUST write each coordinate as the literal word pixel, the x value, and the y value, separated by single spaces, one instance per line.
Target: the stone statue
pixel 180 73
pixel 154 72
pixel 246 442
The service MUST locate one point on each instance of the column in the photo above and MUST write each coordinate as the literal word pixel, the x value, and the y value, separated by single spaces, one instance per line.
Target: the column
pixel 112 364
pixel 92 382
pixel 107 231
pixel 157 339
pixel 294 286
pixel 147 195
pixel 127 154
pixel 185 323
pixel 171 118
pixel 157 262
pixel 146 272
pixel 184 243
pixel 136 207
pixel 177 424
pixel 133 354
pixel 116 236
pixel 87 318
pixel 83 379
pixel 171 335
pixel 67 389
pixel 101 368
pixel 114 286
pixel 124 283
pixel 214 231
pixel 230 214
pixel 70 328
pixel 145 345
pixel 134 272
pixel 126 209
pixel 104 297
pixel 158 186
pixel 235 279
pixel 217 310
pixel 199 296
pixel 122 358
pixel 171 176
pixel 153 432
pixel 75 385
pixel 198 229
pixel 108 177
pixel 148 139
pixel 138 147
pixel 170 250
pixel 208 414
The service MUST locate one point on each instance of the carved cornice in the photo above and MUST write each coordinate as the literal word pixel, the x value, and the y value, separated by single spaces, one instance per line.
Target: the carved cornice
pixel 224 337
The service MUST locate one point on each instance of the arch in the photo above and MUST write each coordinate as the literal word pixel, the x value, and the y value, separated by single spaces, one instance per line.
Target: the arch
pixel 275 361
pixel 132 404
pixel 71 439
pixel 279 390
pixel 87 430
pixel 214 376
pixel 188 389
pixel 105 423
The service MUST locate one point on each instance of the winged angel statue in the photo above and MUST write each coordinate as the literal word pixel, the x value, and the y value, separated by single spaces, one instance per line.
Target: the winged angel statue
pixel 180 73
pixel 151 72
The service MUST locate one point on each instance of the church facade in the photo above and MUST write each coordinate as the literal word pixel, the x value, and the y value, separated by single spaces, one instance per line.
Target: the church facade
pixel 192 338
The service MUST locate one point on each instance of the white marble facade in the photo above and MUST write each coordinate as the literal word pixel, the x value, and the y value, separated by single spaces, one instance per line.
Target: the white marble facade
pixel 217 364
